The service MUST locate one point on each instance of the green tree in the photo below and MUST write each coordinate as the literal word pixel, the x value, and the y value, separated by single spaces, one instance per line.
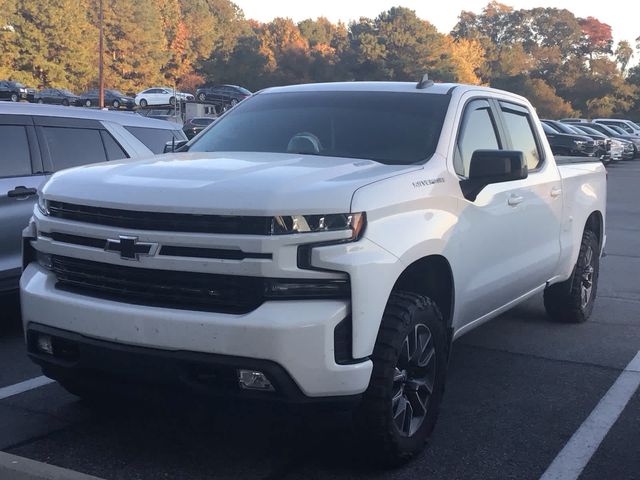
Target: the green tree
pixel 49 49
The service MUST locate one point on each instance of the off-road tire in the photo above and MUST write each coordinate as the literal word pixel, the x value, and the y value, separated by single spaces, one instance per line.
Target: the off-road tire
pixel 405 314
pixel 564 302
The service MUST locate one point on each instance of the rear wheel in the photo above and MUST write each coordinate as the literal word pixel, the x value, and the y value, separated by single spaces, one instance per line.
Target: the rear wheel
pixel 87 103
pixel 172 101
pixel 401 404
pixel 234 102
pixel 65 102
pixel 572 301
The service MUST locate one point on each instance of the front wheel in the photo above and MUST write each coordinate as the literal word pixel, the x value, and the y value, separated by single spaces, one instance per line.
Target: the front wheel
pixel 87 103
pixel 172 101
pixel 143 103
pixel 572 301
pixel 401 404
pixel 40 101
pixel 116 104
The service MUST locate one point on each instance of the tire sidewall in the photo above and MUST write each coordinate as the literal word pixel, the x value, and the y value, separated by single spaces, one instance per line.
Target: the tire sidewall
pixel 589 240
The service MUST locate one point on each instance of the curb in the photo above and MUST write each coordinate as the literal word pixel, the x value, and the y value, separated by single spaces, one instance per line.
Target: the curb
pixel 13 467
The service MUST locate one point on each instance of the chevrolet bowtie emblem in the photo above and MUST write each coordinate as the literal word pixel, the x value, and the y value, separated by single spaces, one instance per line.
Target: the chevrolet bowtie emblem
pixel 130 248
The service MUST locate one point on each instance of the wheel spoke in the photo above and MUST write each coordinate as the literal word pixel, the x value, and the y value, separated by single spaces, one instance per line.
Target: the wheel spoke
pixel 400 413
pixel 398 375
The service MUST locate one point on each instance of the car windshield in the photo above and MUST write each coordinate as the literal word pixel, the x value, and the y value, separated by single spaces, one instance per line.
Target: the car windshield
pixel 388 127
pixel 66 92
pixel 244 90
pixel 548 129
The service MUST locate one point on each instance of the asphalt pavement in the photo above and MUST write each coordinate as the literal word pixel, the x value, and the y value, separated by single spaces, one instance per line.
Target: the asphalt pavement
pixel 519 388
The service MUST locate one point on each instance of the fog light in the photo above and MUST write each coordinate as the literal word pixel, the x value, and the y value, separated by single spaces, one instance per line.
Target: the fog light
pixel 45 260
pixel 44 344
pixel 253 380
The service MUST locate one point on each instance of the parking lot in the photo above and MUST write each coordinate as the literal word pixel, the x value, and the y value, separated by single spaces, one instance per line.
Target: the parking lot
pixel 519 388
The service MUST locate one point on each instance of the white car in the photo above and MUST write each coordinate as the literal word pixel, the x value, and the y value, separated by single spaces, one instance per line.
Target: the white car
pixel 160 96
pixel 317 243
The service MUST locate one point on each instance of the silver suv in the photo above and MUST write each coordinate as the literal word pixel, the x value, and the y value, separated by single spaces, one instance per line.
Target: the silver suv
pixel 38 140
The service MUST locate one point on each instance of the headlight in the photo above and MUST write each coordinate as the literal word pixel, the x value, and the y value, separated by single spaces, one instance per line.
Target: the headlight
pixel 43 205
pixel 355 222
pixel 124 100
pixel 580 143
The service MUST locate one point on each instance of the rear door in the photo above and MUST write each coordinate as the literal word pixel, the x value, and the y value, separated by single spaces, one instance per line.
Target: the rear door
pixel 20 175
pixel 540 210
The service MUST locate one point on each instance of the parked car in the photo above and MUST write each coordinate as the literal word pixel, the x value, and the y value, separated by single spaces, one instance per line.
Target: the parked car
pixel 223 96
pixel 15 91
pixel 619 149
pixel 615 132
pixel 569 144
pixel 112 98
pixel 603 143
pixel 160 96
pixel 38 140
pixel 195 125
pixel 56 96
pixel 627 125
pixel 317 243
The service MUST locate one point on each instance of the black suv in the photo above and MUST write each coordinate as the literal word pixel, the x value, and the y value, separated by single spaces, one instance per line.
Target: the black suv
pixel 15 91
pixel 223 96
pixel 571 145
pixel 112 98
pixel 56 96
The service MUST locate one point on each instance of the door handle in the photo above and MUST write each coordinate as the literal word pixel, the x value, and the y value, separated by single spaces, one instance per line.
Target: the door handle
pixel 556 192
pixel 515 200
pixel 21 191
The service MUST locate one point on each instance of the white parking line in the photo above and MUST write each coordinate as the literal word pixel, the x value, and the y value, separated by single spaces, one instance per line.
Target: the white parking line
pixel 25 386
pixel 575 455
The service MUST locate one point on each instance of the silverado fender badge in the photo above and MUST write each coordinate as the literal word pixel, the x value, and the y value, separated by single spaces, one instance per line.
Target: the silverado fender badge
pixel 427 182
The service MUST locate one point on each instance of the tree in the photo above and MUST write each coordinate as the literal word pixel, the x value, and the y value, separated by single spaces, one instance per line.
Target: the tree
pixel 541 95
pixel 49 49
pixel 623 53
pixel 596 37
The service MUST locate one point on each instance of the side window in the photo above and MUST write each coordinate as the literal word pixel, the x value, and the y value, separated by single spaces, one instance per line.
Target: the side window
pixel 520 128
pixel 154 138
pixel 16 159
pixel 71 147
pixel 478 132
pixel 113 148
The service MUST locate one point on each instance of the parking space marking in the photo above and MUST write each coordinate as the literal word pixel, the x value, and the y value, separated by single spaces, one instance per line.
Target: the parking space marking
pixel 575 455
pixel 25 386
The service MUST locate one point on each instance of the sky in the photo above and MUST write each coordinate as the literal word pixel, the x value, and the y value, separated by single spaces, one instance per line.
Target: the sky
pixel 619 15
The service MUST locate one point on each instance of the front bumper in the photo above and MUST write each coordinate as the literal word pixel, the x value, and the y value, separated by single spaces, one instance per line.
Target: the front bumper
pixel 297 336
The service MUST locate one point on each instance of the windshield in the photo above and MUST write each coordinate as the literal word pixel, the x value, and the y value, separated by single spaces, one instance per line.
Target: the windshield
pixel 388 127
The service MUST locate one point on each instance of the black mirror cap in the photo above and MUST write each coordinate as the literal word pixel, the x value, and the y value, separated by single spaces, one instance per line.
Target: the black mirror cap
pixel 493 166
pixel 174 146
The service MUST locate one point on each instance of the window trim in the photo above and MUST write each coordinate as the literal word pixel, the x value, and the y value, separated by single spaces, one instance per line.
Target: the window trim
pixel 35 160
pixel 524 110
pixel 497 127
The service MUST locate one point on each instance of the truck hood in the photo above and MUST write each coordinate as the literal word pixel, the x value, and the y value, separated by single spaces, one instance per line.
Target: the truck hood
pixel 225 183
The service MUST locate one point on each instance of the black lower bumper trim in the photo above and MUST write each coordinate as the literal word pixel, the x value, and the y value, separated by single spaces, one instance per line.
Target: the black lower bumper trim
pixel 79 358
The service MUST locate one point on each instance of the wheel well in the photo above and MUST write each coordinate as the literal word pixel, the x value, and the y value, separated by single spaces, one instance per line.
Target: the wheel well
pixel 432 277
pixel 595 224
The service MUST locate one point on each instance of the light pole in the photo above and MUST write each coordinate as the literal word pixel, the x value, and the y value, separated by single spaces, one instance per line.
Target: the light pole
pixel 100 53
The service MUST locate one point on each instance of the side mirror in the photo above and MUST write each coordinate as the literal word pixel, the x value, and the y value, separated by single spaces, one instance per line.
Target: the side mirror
pixel 174 146
pixel 492 166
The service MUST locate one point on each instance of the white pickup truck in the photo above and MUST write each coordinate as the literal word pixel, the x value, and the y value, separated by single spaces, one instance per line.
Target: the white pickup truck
pixel 317 243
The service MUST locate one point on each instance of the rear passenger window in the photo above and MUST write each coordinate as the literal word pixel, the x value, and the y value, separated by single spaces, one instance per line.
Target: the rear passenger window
pixel 15 159
pixel 520 129
pixel 71 147
pixel 154 138
pixel 113 148
pixel 477 133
